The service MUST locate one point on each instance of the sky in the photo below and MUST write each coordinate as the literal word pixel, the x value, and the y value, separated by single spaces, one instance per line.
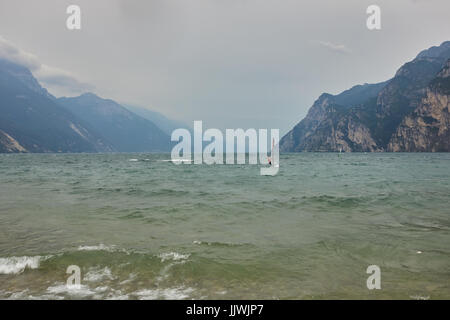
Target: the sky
pixel 230 63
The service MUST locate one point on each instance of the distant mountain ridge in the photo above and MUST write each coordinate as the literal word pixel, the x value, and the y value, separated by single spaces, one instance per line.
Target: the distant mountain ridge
pixel 32 120
pixel 375 117
pixel 409 112
pixel 165 124
pixel 125 130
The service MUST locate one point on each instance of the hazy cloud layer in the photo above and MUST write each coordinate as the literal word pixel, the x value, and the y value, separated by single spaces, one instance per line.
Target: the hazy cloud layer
pixel 61 80
pixel 335 47
pixel 233 63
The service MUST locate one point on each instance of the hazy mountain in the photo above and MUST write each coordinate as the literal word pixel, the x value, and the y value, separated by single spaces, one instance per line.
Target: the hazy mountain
pixel 32 121
pixel 165 124
pixel 126 131
pixel 376 117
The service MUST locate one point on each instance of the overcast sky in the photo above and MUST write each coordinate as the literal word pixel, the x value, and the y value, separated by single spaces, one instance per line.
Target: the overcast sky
pixel 230 63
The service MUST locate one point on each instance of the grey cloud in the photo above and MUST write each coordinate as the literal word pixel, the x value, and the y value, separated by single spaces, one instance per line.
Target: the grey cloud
pixel 230 63
pixel 10 52
pixel 335 47
pixel 56 78
pixel 52 78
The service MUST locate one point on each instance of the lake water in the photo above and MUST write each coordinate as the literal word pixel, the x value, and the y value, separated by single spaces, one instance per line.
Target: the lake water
pixel 149 229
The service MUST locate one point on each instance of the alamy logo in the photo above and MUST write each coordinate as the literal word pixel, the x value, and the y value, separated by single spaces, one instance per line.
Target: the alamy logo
pixel 373 281
pixel 73 22
pixel 74 280
pixel 374 20
pixel 213 153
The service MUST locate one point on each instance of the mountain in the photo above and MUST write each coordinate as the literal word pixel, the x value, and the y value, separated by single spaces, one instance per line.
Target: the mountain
pixel 126 131
pixel 406 113
pixel 32 121
pixel 165 124
pixel 427 129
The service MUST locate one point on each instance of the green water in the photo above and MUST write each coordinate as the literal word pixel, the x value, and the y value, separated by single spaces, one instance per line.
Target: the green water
pixel 150 229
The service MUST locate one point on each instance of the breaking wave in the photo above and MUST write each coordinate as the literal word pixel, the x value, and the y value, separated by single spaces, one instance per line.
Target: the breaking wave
pixel 15 265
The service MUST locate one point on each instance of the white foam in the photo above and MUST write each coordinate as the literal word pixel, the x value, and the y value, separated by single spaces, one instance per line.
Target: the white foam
pixel 100 247
pixel 15 265
pixel 101 289
pixel 133 160
pixel 24 295
pixel 97 274
pixel 45 297
pixel 20 295
pixel 60 290
pixel 222 292
pixel 168 293
pixel 417 297
pixel 174 256
pixel 74 290
pixel 131 278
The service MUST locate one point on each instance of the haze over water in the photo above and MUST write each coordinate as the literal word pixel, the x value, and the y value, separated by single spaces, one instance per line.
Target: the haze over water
pixel 149 229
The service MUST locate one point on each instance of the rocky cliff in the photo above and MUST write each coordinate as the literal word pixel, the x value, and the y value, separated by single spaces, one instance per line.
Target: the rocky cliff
pixel 401 114
pixel 427 129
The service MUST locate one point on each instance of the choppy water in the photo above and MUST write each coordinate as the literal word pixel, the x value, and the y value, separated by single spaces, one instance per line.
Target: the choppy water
pixel 149 229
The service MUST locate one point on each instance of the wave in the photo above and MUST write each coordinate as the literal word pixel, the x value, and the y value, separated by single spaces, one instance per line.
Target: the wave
pixel 25 294
pixel 168 192
pixel 15 265
pixel 219 244
pixel 334 201
pixel 132 277
pixel 100 247
pixel 98 274
pixel 136 160
pixel 74 290
pixel 418 297
pixel 60 291
pixel 174 256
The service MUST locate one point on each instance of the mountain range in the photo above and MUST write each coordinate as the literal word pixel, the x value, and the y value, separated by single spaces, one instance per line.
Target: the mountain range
pixel 123 129
pixel 409 112
pixel 33 120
